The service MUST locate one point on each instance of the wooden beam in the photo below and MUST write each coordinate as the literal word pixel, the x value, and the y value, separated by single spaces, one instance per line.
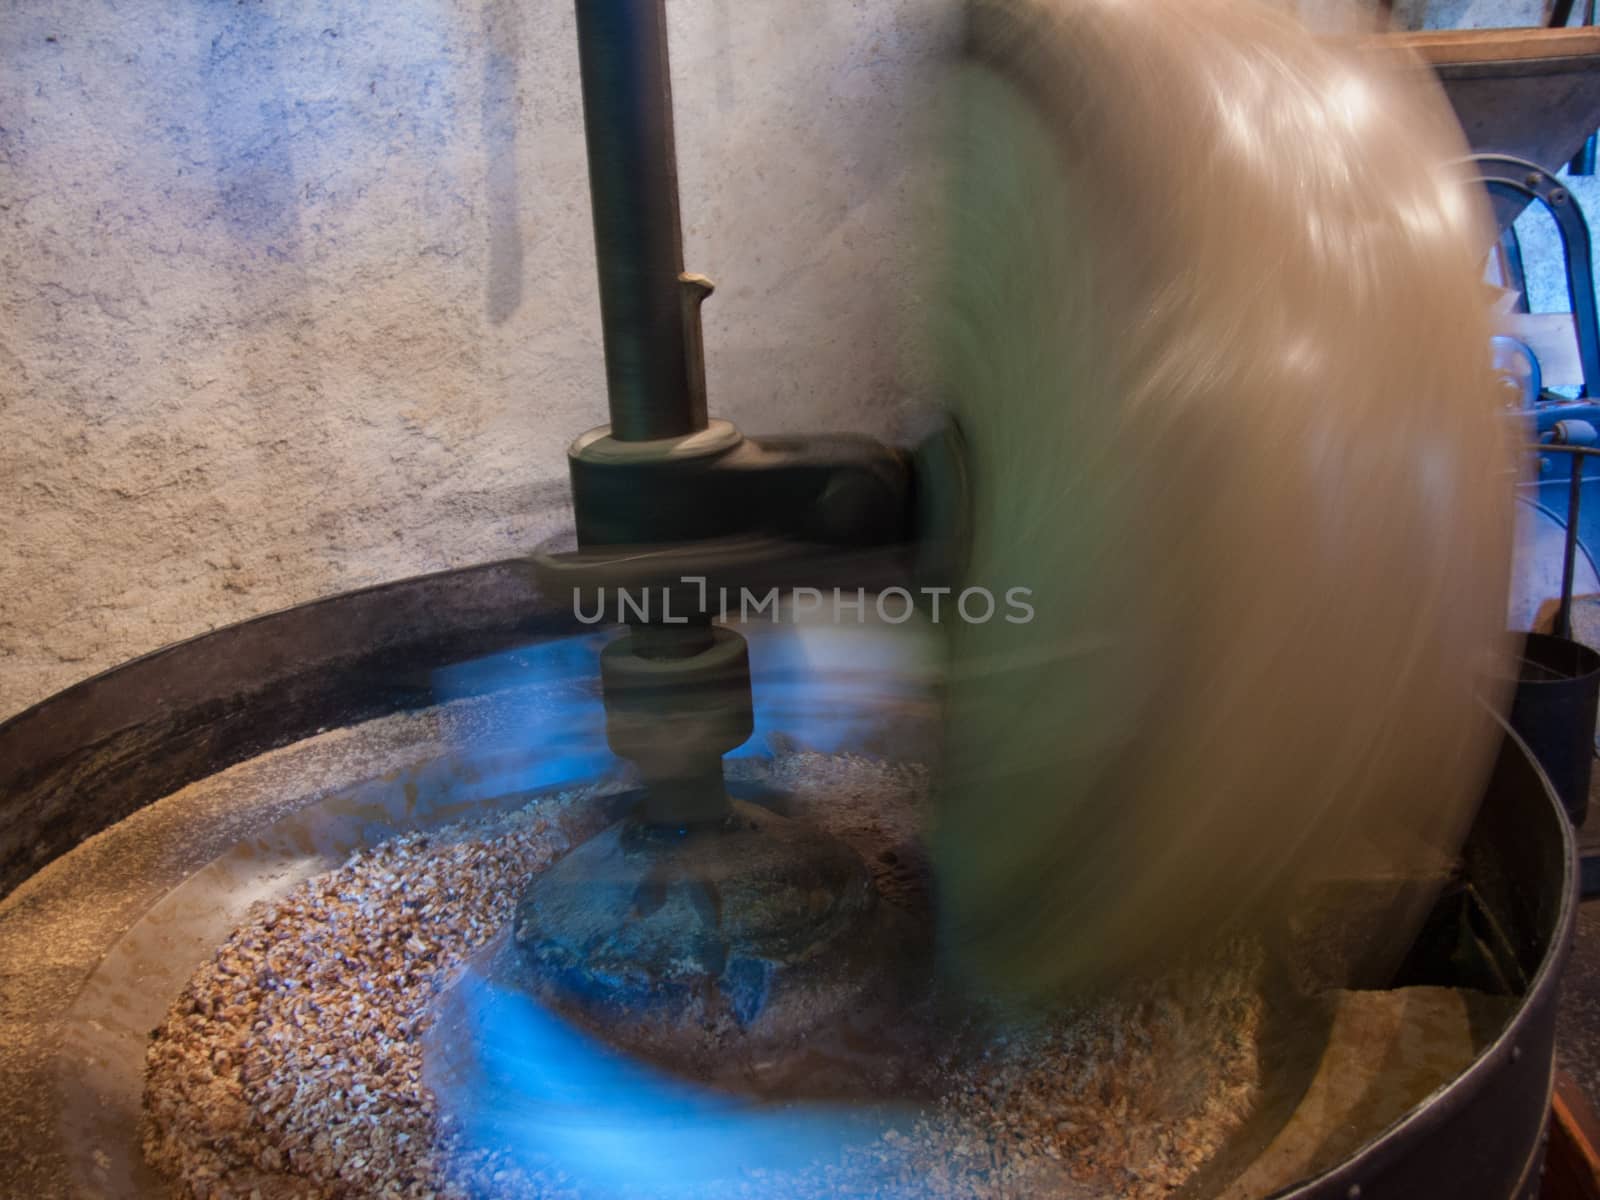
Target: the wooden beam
pixel 1441 46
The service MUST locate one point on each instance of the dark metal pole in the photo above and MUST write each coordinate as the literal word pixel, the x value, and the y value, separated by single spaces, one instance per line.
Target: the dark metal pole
pixel 651 383
pixel 1569 550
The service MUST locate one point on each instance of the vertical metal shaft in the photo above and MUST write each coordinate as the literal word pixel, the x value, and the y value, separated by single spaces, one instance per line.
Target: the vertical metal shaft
pixel 633 191
pixel 1569 550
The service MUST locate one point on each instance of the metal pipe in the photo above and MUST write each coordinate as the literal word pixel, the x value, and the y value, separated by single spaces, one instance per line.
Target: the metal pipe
pixel 1569 549
pixel 633 191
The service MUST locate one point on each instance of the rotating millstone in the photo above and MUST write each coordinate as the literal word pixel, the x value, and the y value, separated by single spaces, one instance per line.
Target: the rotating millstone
pixel 1227 407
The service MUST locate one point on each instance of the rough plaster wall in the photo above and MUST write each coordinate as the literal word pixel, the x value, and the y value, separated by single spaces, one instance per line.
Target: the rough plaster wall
pixel 297 297
pixel 1472 14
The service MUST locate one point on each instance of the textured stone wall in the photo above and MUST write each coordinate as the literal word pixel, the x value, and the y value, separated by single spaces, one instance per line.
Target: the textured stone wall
pixel 298 296
pixel 1471 14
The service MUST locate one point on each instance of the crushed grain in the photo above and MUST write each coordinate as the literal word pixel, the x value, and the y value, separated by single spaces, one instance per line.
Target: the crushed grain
pixel 291 1065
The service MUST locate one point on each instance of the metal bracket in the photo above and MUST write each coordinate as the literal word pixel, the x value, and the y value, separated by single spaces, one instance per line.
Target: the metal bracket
pixel 1520 179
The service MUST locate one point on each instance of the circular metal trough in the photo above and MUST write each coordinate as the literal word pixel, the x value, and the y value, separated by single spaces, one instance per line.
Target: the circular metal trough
pixel 89 757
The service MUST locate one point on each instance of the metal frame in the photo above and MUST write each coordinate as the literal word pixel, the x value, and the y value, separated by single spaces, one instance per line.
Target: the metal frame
pixel 1522 180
